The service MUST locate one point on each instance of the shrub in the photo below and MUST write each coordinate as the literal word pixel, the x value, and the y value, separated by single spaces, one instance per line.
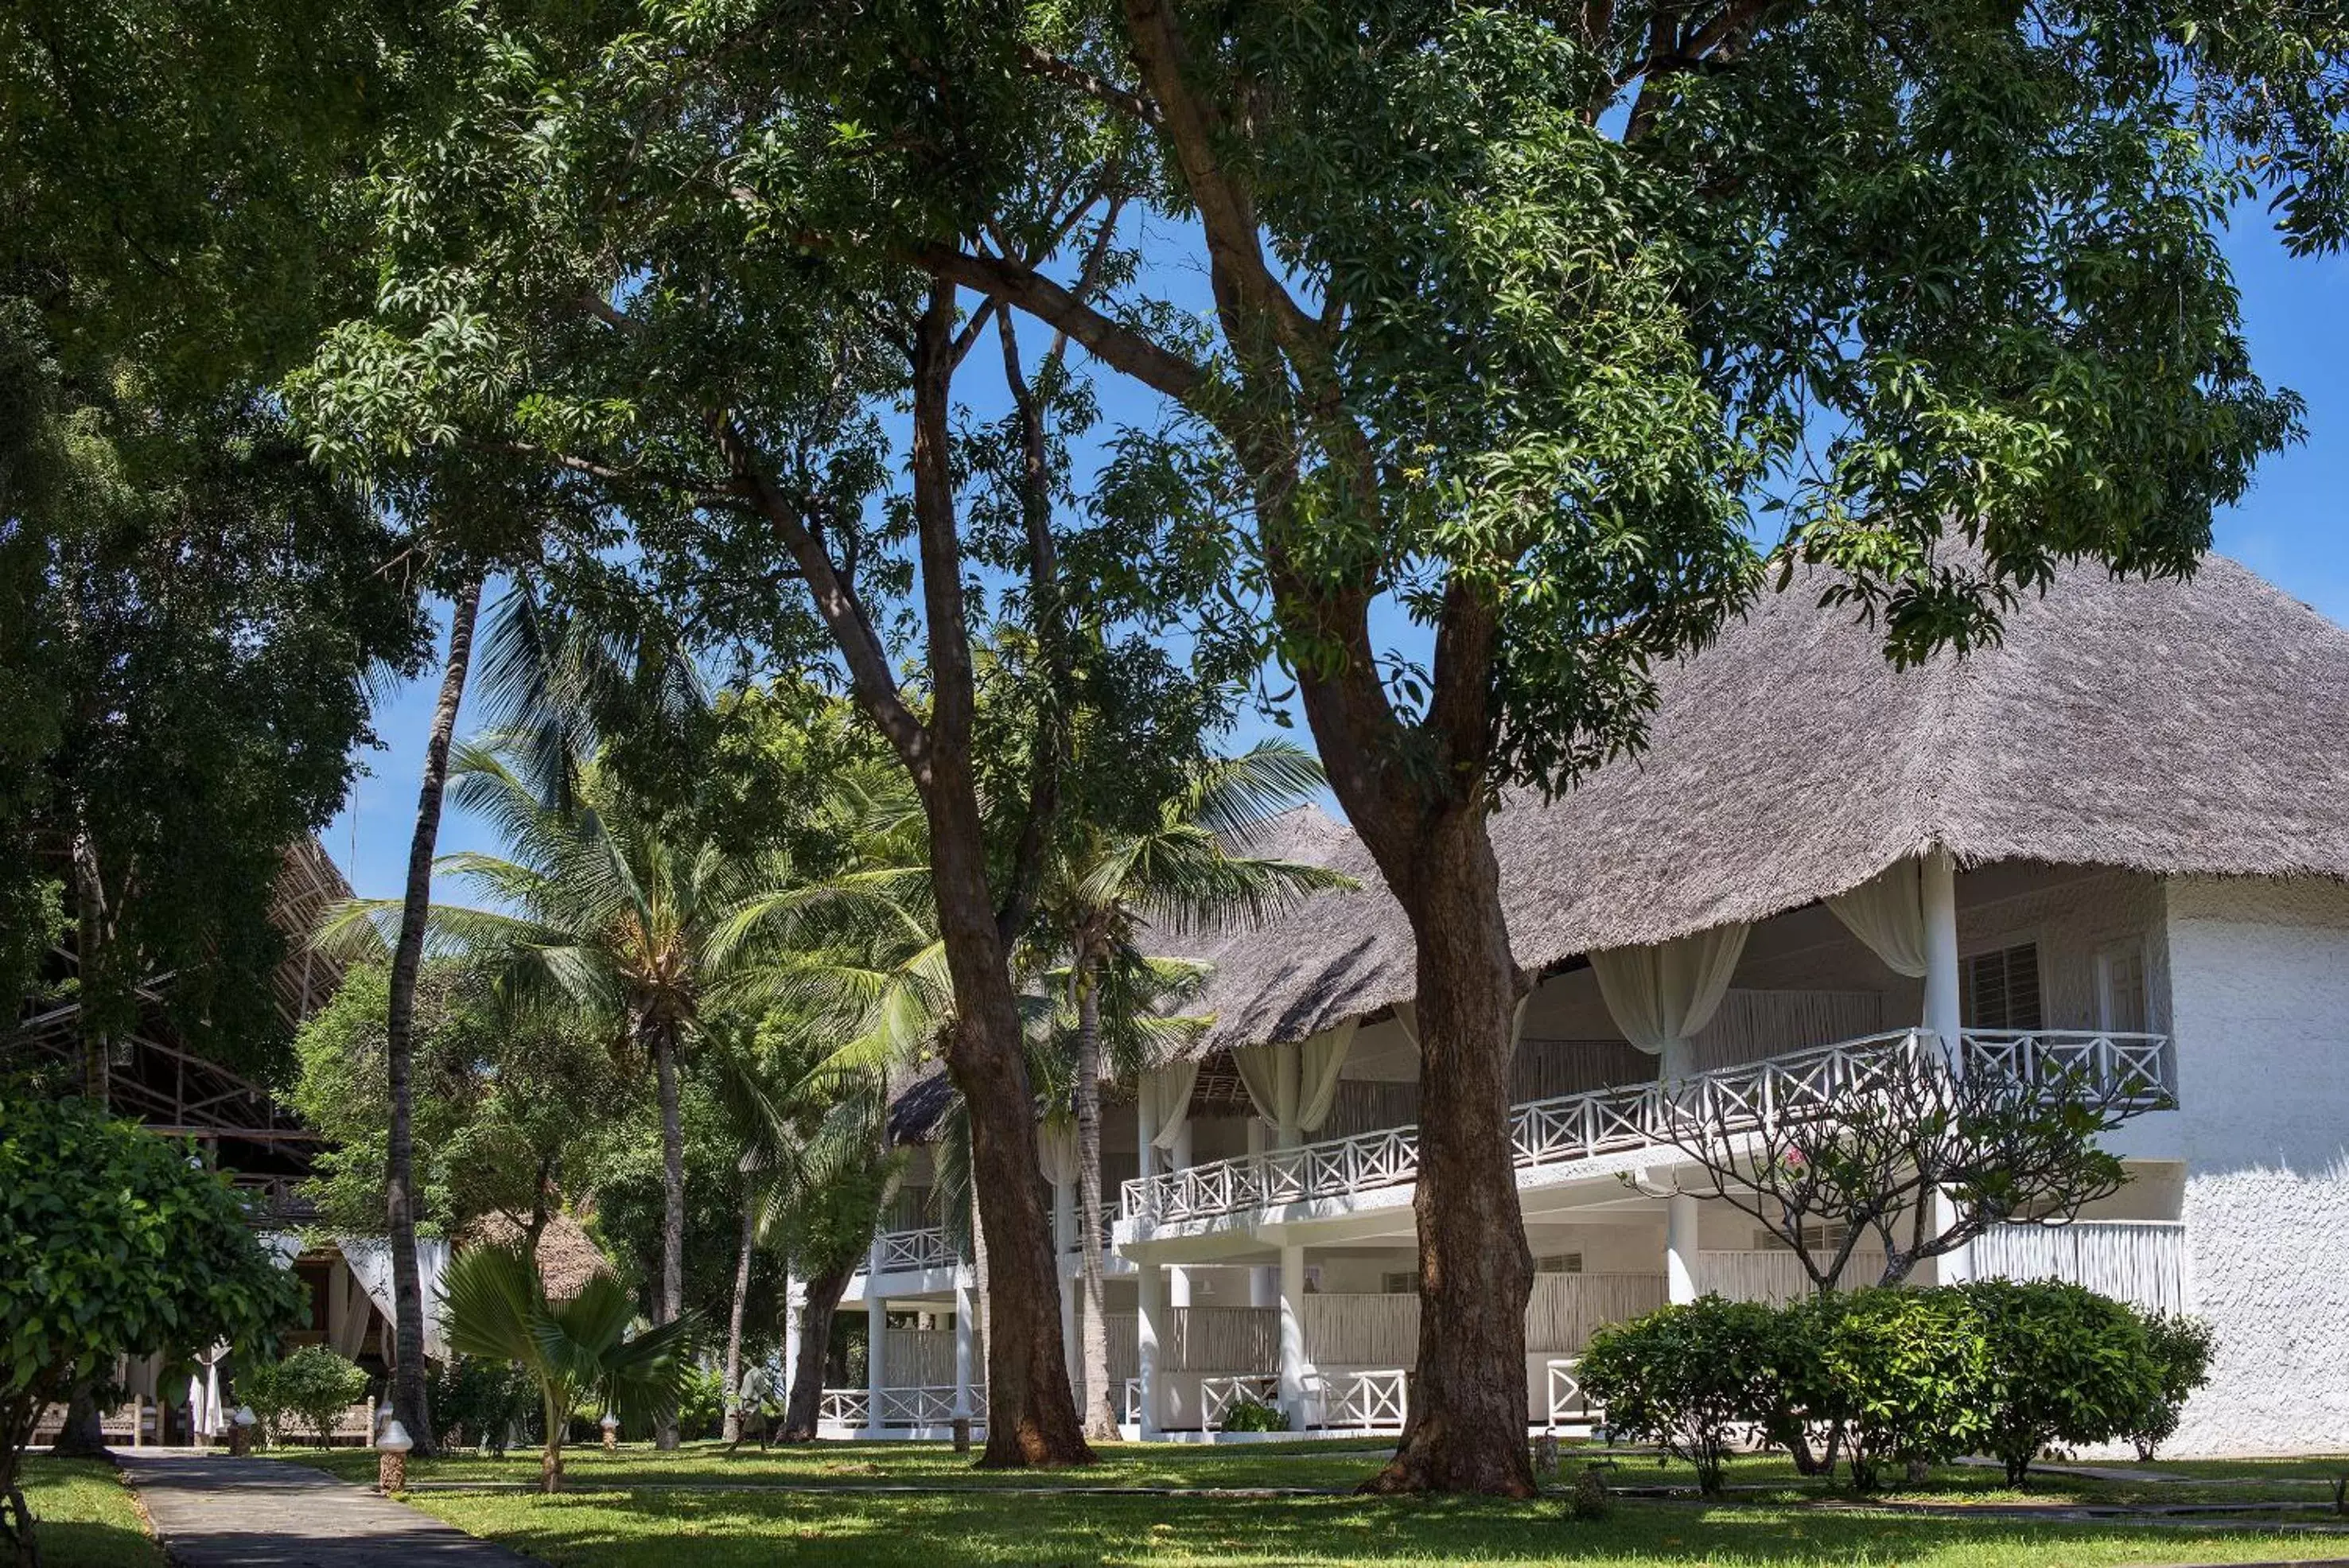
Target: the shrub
pixel 2065 1364
pixel 1901 1372
pixel 2181 1347
pixel 1248 1414
pixel 1687 1377
pixel 1589 1502
pixel 483 1403
pixel 112 1241
pixel 310 1390
pixel 701 1408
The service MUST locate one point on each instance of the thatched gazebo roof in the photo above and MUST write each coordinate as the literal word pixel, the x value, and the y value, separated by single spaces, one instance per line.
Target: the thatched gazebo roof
pixel 2179 728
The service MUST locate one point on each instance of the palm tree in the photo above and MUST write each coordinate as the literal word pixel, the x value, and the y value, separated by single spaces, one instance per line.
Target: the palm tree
pixel 497 1307
pixel 1183 876
pixel 609 909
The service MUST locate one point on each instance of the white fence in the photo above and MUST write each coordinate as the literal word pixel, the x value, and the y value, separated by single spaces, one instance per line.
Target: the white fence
pixel 2141 1261
pixel 1776 1275
pixel 2133 1069
pixel 915 1251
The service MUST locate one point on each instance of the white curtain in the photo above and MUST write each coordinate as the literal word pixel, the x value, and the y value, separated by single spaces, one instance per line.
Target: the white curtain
pixel 1294 1085
pixel 1661 995
pixel 1888 913
pixel 1269 1072
pixel 1056 1149
pixel 346 1313
pixel 1319 1061
pixel 1169 1087
pixel 369 1258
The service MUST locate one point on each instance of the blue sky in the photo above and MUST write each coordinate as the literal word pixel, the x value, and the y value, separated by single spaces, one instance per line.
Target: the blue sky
pixel 2290 529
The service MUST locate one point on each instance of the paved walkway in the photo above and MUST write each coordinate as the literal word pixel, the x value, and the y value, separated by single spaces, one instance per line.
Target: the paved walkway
pixel 213 1511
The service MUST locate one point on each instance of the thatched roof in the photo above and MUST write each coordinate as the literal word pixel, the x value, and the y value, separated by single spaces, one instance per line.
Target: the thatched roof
pixel 567 1256
pixel 2176 729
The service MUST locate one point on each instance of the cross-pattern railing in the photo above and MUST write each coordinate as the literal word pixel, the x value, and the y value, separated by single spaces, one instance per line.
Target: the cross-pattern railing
pixel 2132 1071
pixel 1218 1395
pixel 1373 1400
pixel 1567 1401
pixel 841 1407
pixel 912 1251
pixel 931 1406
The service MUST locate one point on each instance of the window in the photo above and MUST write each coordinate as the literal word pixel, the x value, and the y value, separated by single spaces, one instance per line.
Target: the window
pixel 1402 1283
pixel 1560 1263
pixel 1816 1240
pixel 2121 1003
pixel 2002 989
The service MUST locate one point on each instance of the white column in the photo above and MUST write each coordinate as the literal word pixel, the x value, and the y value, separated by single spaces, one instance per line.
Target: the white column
pixel 794 1303
pixel 1264 1281
pixel 1292 1336
pixel 966 1317
pixel 1065 1259
pixel 1150 1309
pixel 1178 1279
pixel 876 1340
pixel 1681 1212
pixel 1938 888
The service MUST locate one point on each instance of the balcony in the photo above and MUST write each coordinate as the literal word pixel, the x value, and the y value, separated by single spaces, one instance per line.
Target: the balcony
pixel 2134 1070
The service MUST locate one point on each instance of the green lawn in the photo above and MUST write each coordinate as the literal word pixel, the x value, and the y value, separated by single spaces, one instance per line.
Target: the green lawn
pixel 640 1508
pixel 86 1518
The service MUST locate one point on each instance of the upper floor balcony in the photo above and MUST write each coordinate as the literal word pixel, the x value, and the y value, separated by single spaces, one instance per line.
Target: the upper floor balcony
pixel 2131 1070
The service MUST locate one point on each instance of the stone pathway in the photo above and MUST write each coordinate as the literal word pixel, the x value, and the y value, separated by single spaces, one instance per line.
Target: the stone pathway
pixel 213 1511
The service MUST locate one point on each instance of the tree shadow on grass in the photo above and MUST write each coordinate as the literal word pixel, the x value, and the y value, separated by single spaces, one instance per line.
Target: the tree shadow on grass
pixel 669 1528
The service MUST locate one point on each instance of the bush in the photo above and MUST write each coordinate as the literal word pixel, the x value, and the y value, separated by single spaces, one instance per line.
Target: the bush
pixel 2180 1348
pixel 1687 1377
pixel 1246 1414
pixel 484 1403
pixel 702 1409
pixel 2065 1364
pixel 1900 1373
pixel 312 1387
pixel 1589 1502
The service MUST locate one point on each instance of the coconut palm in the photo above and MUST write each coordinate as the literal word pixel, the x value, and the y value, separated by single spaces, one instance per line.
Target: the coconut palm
pixel 497 1307
pixel 609 909
pixel 1186 875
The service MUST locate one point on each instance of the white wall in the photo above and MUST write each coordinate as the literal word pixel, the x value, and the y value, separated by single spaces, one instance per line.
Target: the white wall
pixel 2259 993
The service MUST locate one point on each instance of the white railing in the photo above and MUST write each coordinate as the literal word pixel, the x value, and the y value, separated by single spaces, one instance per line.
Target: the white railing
pixel 2141 1261
pixel 2133 1070
pixel 1130 1411
pixel 1218 1395
pixel 1373 1400
pixel 1567 1401
pixel 912 1252
pixel 841 1407
pixel 932 1406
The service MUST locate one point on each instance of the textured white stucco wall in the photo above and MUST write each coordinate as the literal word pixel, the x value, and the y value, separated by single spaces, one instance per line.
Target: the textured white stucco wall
pixel 2259 978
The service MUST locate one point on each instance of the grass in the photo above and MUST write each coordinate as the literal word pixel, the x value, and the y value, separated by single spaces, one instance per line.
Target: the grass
pixel 85 1516
pixel 640 1508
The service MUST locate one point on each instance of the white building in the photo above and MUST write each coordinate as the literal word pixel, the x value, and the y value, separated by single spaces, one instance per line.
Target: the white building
pixel 2120 838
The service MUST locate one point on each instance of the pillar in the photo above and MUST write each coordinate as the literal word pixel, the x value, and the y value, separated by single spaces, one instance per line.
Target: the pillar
pixel 1066 1262
pixel 1150 1311
pixel 1178 1278
pixel 1264 1281
pixel 1944 1015
pixel 1681 1242
pixel 876 1341
pixel 965 1314
pixel 1292 1336
pixel 794 1303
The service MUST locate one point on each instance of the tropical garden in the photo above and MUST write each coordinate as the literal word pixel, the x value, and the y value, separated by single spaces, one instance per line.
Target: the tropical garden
pixel 890 505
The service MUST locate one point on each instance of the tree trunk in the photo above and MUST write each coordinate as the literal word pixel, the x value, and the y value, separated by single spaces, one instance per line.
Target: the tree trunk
pixel 733 1431
pixel 410 1401
pixel 806 1399
pixel 1100 1410
pixel 672 1286
pixel 1032 1417
pixel 1466 1429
